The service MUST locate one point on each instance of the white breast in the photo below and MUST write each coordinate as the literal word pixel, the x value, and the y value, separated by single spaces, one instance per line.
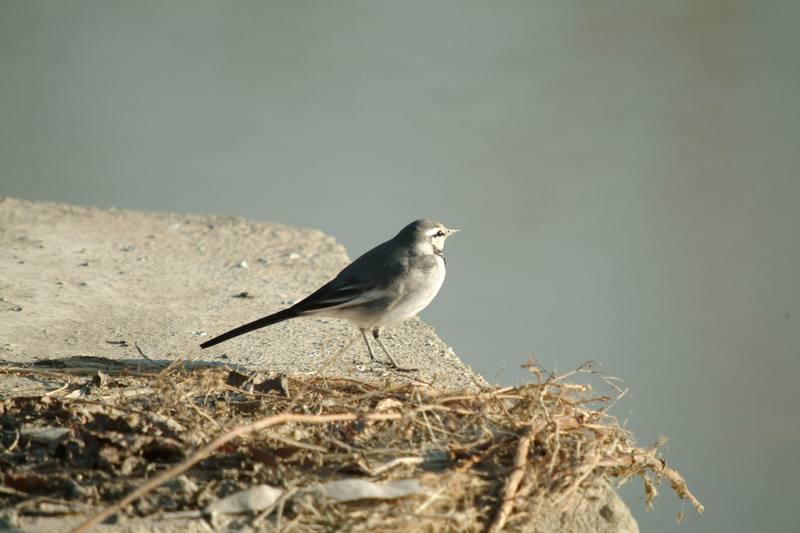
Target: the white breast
pixel 421 290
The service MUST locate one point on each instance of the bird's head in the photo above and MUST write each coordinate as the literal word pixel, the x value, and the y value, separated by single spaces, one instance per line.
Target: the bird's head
pixel 427 232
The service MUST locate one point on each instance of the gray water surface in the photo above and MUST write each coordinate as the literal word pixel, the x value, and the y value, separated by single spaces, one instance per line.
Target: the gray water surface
pixel 625 175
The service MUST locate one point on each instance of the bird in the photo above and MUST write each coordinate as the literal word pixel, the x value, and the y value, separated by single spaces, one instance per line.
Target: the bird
pixel 390 283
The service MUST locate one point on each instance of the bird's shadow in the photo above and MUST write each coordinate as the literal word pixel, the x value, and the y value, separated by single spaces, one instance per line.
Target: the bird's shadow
pixel 91 364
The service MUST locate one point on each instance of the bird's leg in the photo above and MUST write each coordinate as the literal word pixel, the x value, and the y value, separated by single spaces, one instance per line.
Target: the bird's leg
pixel 369 348
pixel 376 335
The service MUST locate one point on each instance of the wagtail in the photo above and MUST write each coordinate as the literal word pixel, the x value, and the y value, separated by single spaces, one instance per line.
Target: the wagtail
pixel 390 283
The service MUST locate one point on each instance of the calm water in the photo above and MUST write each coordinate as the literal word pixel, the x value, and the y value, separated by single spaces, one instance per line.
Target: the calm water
pixel 625 175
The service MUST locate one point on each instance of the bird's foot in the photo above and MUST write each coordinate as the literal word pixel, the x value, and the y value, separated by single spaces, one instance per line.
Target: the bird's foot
pixel 398 368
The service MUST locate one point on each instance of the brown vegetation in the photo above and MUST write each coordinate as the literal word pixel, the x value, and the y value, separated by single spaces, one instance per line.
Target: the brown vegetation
pixel 145 440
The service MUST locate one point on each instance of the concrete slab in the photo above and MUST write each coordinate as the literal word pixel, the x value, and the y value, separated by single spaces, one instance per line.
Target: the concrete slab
pixel 88 281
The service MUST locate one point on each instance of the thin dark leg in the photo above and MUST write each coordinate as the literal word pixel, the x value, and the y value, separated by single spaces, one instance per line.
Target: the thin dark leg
pixel 376 335
pixel 369 348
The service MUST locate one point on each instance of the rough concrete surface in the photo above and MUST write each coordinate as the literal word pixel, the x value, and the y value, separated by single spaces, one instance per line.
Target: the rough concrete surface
pixel 74 279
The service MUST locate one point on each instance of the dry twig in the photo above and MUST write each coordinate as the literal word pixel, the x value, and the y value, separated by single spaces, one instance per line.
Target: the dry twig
pixel 514 479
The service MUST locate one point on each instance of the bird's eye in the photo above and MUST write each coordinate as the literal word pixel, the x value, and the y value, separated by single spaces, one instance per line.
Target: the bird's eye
pixel 439 233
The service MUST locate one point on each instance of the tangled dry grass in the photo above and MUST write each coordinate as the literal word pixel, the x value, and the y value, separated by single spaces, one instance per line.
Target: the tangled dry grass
pixel 171 440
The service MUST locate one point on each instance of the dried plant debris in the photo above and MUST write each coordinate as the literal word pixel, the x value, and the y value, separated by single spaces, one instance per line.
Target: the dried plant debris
pixel 319 453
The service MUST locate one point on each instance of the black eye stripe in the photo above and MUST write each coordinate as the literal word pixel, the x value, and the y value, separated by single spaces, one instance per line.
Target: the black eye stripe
pixel 439 233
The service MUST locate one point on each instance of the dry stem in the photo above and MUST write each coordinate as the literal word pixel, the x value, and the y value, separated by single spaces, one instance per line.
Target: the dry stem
pixel 514 479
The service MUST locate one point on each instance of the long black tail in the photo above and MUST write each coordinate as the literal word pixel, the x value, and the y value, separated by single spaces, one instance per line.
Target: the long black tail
pixel 280 316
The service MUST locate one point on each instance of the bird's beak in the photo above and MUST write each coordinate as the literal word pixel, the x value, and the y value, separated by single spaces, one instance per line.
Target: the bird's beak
pixel 451 231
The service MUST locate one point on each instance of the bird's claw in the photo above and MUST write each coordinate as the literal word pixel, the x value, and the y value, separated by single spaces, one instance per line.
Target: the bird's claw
pixel 398 368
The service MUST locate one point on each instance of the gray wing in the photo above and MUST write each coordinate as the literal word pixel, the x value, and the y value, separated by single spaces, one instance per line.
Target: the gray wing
pixel 374 270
